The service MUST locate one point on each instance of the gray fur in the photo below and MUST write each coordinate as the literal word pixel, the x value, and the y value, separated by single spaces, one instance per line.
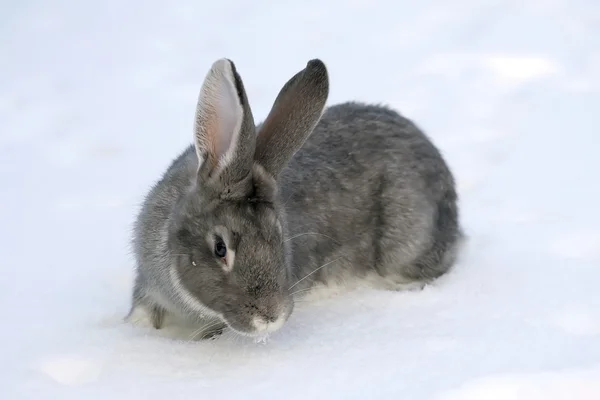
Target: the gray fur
pixel 370 190
pixel 355 194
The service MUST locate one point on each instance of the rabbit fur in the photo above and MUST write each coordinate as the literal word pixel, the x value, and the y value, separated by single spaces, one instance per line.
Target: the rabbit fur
pixel 311 196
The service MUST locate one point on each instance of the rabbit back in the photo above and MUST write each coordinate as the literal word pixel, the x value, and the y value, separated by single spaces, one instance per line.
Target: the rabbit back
pixel 369 196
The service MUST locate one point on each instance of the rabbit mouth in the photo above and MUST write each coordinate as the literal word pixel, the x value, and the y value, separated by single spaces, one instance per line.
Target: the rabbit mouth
pixel 259 325
pixel 264 325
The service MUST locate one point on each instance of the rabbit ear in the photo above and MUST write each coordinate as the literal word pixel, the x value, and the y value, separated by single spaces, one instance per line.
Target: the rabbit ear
pixel 295 113
pixel 224 134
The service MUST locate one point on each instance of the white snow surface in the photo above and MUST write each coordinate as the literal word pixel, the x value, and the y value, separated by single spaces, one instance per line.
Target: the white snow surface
pixel 97 97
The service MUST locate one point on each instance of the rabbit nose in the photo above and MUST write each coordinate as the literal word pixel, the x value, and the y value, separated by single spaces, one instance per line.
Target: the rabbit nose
pixel 269 324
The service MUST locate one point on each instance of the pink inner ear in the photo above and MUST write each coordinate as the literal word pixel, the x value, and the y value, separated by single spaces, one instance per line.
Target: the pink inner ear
pixel 229 117
pixel 219 115
pixel 212 129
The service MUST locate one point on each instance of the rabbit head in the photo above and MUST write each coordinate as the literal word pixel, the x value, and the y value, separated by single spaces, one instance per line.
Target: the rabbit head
pixel 226 236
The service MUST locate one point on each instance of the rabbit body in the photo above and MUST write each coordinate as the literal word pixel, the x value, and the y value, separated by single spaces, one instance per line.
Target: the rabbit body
pixel 352 193
pixel 369 190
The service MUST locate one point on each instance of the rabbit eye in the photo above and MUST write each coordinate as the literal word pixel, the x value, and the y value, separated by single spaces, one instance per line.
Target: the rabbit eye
pixel 220 248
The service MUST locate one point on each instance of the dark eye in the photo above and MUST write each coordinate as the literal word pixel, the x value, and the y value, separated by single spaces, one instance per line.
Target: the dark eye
pixel 220 248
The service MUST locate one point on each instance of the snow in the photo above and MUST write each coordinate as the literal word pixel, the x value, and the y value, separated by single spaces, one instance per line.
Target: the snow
pixel 97 97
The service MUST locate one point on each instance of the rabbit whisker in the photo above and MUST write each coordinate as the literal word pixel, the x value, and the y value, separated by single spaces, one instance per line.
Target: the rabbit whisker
pixel 203 329
pixel 195 334
pixel 317 269
pixel 300 291
pixel 310 233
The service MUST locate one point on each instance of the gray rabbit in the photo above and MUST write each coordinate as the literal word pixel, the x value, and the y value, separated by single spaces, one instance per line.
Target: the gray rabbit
pixel 248 215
